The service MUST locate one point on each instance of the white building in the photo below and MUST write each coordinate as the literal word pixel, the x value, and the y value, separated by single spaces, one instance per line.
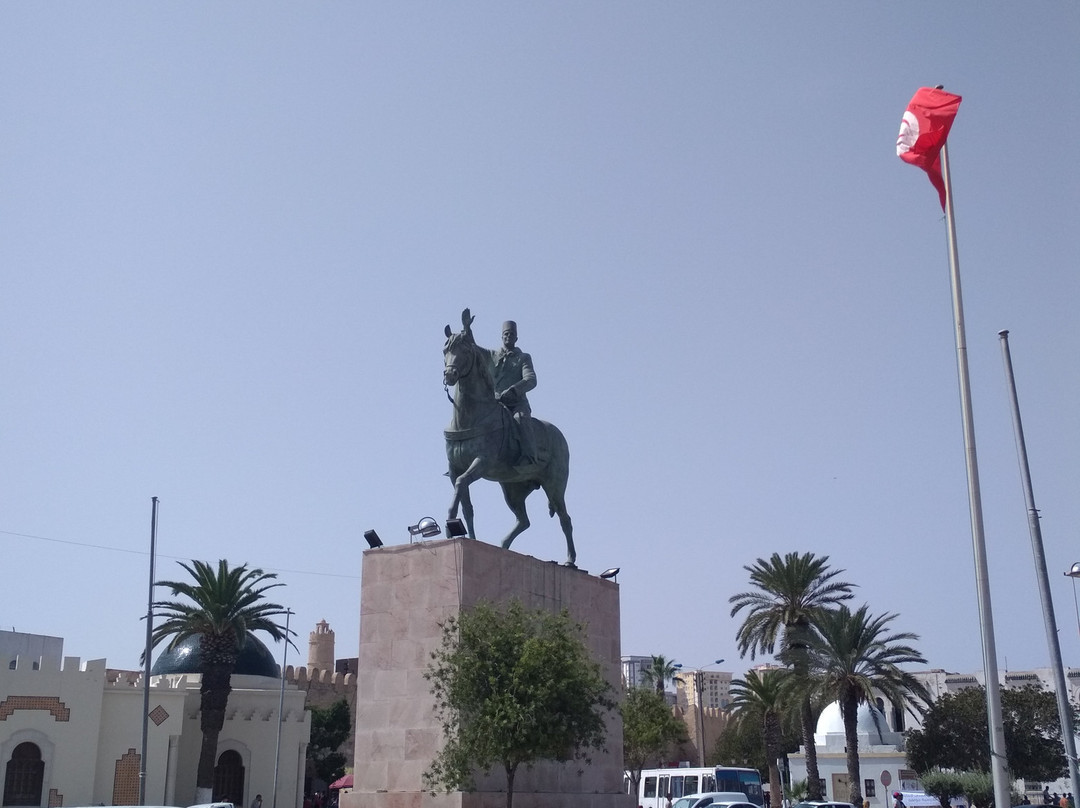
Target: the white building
pixel 71 733
pixel 881 757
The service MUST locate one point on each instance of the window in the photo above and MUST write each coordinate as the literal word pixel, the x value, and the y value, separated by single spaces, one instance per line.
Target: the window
pixel 650 787
pixel 24 775
pixel 868 788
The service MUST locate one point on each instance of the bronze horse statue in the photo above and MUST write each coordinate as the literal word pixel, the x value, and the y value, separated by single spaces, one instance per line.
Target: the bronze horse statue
pixel 481 442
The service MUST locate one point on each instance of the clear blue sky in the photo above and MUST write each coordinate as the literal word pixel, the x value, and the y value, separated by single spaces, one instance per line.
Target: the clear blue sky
pixel 231 235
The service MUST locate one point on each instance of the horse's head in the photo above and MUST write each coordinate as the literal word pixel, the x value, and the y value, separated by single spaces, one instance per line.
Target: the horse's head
pixel 462 356
pixel 459 356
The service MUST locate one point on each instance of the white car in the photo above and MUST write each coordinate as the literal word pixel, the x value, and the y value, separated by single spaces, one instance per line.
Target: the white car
pixel 719 799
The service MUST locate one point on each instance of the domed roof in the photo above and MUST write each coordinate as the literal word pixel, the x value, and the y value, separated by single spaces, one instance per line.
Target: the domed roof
pixel 255 658
pixel 832 722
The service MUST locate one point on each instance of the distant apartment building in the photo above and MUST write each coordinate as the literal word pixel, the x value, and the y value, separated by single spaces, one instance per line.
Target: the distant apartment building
pixel 633 668
pixel 715 689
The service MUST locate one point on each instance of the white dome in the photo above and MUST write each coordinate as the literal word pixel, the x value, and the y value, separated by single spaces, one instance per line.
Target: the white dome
pixel 871 725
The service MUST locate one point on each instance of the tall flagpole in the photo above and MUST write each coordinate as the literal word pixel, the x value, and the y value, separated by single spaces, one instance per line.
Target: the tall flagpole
pixel 998 762
pixel 1050 622
pixel 146 655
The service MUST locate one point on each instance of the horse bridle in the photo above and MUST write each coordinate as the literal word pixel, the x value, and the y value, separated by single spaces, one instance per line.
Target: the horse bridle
pixel 461 374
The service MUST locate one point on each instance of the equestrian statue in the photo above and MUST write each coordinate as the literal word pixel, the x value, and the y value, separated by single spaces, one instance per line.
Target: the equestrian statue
pixel 492 434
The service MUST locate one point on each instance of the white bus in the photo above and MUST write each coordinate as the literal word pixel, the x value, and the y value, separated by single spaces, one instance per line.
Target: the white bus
pixel 656 784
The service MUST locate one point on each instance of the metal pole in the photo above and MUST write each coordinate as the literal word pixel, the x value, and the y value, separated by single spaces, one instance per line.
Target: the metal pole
pixel 1064 708
pixel 146 655
pixel 998 761
pixel 281 707
pixel 699 684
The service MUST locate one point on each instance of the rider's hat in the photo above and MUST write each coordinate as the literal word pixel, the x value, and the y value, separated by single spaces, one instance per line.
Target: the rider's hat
pixel 510 325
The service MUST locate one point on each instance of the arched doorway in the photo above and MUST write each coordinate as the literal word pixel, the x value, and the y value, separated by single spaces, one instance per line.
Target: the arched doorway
pixel 24 775
pixel 229 778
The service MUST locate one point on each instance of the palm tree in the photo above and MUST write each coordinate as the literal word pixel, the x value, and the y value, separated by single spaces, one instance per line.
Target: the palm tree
pixel 792 592
pixel 855 655
pixel 223 608
pixel 659 672
pixel 761 700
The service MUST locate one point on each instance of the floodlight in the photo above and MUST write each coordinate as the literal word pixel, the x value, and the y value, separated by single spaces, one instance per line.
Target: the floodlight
pixel 455 529
pixel 425 528
pixel 610 573
pixel 373 539
pixel 1074 571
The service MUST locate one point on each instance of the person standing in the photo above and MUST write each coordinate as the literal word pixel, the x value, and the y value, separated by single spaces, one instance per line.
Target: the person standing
pixel 257 802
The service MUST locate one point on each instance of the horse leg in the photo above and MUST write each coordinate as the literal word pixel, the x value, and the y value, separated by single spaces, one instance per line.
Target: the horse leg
pixel 515 494
pixel 461 493
pixel 557 505
pixel 467 512
pixel 568 531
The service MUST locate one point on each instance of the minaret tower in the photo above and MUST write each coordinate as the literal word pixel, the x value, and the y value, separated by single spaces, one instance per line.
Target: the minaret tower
pixel 321 647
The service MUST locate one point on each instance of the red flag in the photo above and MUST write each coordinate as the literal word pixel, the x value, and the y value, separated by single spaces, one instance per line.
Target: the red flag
pixel 923 132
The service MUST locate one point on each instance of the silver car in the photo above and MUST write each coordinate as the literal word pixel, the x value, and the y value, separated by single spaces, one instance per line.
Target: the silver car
pixel 714 799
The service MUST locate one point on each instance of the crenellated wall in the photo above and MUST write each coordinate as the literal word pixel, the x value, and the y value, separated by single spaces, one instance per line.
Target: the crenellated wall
pixel 323 688
pixel 715 722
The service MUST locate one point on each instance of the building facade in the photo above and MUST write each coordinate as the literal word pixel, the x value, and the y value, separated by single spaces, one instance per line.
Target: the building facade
pixel 71 734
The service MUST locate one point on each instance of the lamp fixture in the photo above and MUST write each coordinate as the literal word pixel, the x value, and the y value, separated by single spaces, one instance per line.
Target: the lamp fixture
pixel 1074 571
pixel 425 528
pixel 373 539
pixel 609 574
pixel 455 529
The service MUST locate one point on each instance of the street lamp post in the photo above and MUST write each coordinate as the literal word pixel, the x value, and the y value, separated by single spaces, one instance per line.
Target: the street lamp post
pixel 699 686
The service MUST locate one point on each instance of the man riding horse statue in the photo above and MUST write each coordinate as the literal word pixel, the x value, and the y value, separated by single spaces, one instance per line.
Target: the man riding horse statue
pixel 492 434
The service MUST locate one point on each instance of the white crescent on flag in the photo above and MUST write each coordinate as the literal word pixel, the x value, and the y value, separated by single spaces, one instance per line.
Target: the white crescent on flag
pixel 909 133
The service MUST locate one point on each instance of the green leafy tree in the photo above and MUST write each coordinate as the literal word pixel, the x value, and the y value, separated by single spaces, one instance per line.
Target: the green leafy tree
pixel 954 733
pixel 223 607
pixel 659 672
pixel 649 728
pixel 854 657
pixel 330 728
pixel 760 701
pixel 513 687
pixel 789 594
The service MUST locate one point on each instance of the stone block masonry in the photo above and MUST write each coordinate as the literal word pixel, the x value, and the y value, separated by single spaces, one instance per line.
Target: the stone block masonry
pixel 406 593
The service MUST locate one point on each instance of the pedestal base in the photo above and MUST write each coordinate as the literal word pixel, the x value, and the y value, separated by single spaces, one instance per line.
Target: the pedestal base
pixel 406 593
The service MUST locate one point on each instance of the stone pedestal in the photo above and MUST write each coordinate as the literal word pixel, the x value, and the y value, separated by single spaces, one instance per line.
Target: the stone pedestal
pixel 406 592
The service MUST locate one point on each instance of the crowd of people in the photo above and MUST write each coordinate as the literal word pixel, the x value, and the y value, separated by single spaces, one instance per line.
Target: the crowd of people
pixel 1061 801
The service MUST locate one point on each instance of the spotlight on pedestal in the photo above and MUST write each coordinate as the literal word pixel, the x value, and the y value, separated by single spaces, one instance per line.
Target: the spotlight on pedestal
pixel 455 529
pixel 425 528
pixel 373 539
pixel 610 574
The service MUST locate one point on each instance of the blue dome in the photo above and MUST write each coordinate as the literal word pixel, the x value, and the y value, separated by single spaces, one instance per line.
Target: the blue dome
pixel 255 659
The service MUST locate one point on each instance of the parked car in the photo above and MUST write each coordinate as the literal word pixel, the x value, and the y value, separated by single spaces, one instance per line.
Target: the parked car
pixel 714 799
pixel 822 804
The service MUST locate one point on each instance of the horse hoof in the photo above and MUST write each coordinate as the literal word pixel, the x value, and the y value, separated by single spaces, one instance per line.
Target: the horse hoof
pixel 570 563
